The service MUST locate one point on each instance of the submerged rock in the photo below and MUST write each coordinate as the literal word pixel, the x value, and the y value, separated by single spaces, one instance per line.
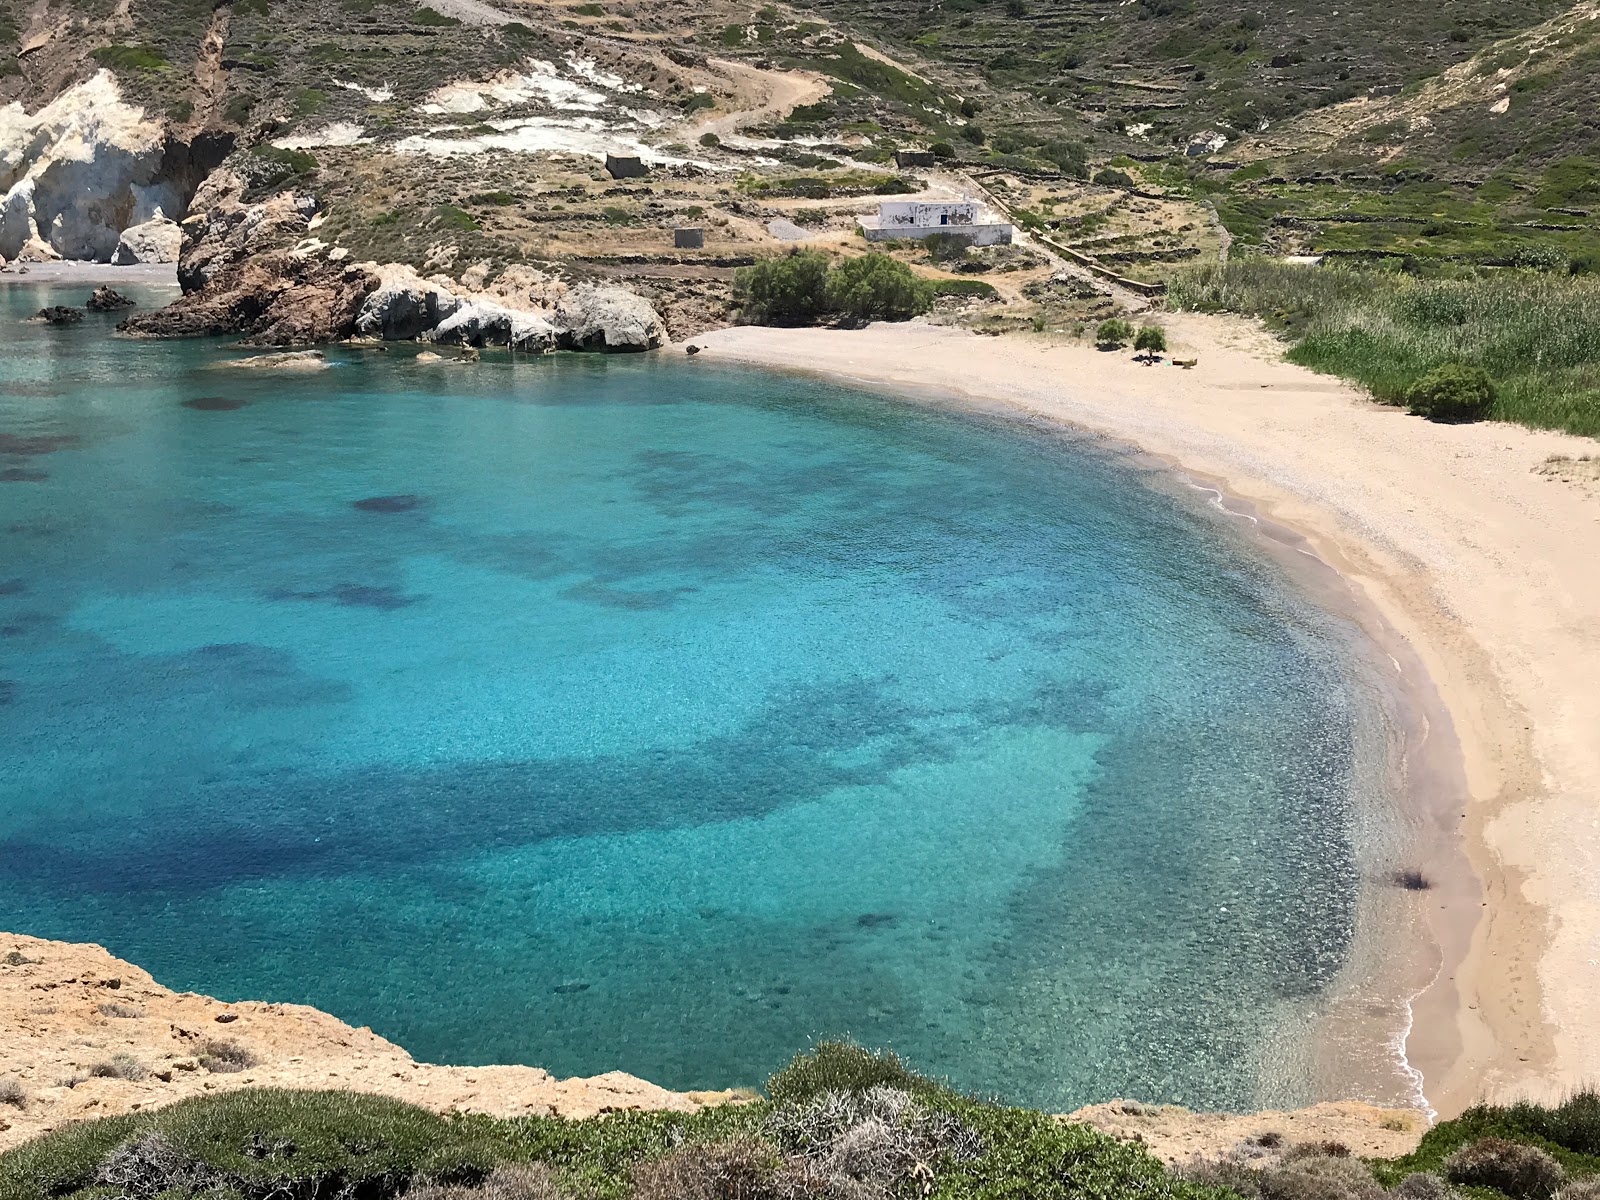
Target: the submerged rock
pixel 298 360
pixel 107 300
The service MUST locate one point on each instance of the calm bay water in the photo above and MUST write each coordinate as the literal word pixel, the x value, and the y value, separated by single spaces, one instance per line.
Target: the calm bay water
pixel 645 714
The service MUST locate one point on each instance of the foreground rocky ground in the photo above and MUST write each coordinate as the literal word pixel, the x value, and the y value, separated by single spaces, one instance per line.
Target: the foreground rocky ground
pixel 84 1034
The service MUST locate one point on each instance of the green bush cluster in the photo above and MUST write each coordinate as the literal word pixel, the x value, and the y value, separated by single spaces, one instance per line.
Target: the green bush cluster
pixel 804 287
pixel 839 1120
pixel 1113 333
pixel 1452 393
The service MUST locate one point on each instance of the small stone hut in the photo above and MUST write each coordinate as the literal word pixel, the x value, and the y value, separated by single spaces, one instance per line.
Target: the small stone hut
pixel 913 158
pixel 689 239
pixel 626 166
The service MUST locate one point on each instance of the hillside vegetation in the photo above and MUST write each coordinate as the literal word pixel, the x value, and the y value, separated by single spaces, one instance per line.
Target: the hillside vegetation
pixel 1535 335
pixel 839 1122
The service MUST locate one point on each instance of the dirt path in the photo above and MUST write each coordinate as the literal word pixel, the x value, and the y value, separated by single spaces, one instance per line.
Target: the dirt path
pixel 763 96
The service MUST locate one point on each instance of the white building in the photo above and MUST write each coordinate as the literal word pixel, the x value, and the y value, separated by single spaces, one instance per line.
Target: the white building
pixel 923 218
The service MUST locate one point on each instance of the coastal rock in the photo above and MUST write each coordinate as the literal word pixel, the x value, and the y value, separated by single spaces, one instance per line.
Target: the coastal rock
pixel 222 230
pixel 60 314
pixel 157 241
pixel 404 306
pixel 607 318
pixel 281 298
pixel 484 323
pixel 107 299
pixel 53 1027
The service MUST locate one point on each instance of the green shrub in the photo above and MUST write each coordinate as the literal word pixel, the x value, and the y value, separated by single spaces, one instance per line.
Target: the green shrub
pixel 130 58
pixel 1152 340
pixel 455 218
pixel 965 288
pixel 875 287
pixel 943 150
pixel 791 290
pixel 710 139
pixel 276 166
pixel 261 1141
pixel 1113 177
pixel 842 1066
pixel 1452 393
pixel 430 17
pixel 1520 1171
pixel 1319 1177
pixel 1113 333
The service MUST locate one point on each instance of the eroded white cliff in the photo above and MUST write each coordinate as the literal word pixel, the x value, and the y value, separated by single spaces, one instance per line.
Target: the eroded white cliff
pixel 78 172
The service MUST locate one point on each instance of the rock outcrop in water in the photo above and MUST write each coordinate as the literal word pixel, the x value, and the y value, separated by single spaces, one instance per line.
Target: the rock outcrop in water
pixel 87 1035
pixel 258 270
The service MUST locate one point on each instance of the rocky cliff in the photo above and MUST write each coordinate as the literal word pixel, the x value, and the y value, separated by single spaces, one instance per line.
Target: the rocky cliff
pixel 83 1034
pixel 87 166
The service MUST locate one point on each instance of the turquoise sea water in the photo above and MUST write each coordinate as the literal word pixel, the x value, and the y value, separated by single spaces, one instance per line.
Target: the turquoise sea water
pixel 644 714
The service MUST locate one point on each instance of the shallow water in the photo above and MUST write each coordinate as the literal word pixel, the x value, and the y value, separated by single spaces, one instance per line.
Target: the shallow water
pixel 643 714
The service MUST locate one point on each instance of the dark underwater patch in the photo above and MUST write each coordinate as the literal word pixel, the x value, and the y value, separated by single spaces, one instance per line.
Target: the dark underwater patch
pixel 30 445
pixel 13 587
pixel 350 595
pixel 610 597
pixel 23 475
pixel 215 404
pixel 8 691
pixel 388 504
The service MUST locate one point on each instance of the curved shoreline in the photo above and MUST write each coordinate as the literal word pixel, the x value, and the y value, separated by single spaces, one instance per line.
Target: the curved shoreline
pixel 1487 572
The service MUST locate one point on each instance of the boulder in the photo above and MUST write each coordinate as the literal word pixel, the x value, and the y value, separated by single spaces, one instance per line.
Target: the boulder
pixel 59 314
pixel 484 323
pixel 107 300
pixel 157 241
pixel 404 305
pixel 607 318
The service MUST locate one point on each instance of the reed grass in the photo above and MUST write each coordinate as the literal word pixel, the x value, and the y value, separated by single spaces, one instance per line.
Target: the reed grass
pixel 1536 334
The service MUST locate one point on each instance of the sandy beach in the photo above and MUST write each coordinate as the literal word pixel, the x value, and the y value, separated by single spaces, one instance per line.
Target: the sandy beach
pixel 1482 555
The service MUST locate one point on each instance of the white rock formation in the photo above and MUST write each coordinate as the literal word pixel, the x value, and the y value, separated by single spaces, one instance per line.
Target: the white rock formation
pixel 156 241
pixel 485 323
pixel 78 172
pixel 404 305
pixel 608 318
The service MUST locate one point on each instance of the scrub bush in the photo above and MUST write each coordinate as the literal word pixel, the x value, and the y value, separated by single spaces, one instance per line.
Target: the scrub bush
pixel 120 1066
pixel 876 287
pixel 13 1093
pixel 1320 1178
pixel 524 1181
pixel 791 290
pixel 225 1057
pixel 739 1169
pixel 1518 1170
pixel 1113 333
pixel 1452 393
pixel 842 1066
pixel 1424 1185
pixel 1583 1189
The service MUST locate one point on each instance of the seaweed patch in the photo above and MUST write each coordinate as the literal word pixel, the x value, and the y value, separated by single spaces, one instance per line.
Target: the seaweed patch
pixel 215 403
pixel 388 504
pixel 42 443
